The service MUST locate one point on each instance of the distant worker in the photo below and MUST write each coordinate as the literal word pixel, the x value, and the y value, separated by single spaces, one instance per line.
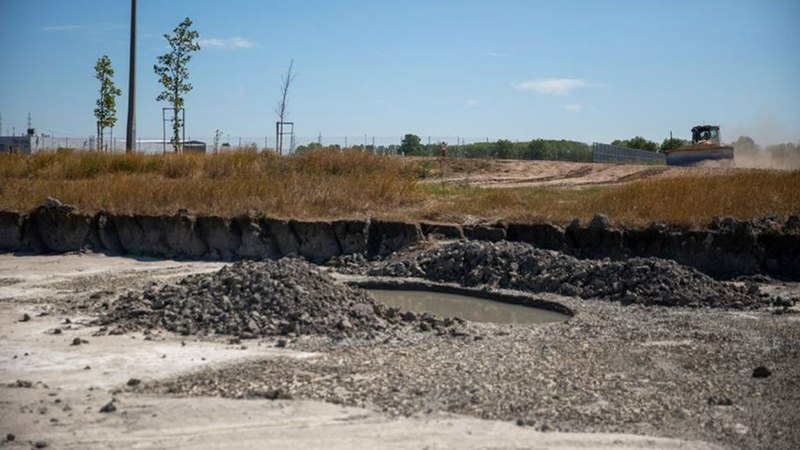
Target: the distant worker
pixel 443 147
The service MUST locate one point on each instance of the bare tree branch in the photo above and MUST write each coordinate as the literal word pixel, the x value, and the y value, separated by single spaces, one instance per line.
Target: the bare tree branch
pixel 286 81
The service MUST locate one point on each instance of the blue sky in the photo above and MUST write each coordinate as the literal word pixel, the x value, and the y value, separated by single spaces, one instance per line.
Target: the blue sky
pixel 584 70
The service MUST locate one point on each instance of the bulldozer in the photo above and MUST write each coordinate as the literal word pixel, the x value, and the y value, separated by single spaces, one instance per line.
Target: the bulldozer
pixel 706 146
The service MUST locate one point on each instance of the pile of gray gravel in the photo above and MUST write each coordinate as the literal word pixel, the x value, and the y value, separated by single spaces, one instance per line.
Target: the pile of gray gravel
pixel 251 299
pixel 514 265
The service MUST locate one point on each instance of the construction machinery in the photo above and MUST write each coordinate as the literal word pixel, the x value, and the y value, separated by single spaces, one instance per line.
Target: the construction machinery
pixel 706 146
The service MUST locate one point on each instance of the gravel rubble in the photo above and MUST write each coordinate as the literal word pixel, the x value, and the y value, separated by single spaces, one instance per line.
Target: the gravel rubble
pixel 670 372
pixel 520 266
pixel 269 298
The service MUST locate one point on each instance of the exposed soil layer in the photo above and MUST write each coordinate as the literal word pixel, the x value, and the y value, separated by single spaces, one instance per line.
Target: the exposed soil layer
pixel 520 266
pixel 486 172
pixel 725 249
pixel 252 299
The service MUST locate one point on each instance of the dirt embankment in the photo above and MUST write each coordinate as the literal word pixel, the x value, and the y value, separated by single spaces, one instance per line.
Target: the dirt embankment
pixel 726 248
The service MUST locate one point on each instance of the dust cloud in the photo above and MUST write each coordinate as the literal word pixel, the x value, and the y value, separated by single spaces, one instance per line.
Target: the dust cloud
pixel 747 153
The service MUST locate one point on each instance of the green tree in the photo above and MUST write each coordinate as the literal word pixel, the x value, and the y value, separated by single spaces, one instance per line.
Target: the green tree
pixel 670 144
pixel 411 145
pixel 173 72
pixel 503 149
pixel 637 142
pixel 106 110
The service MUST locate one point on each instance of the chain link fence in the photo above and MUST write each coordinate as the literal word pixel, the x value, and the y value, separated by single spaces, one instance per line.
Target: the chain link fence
pixel 601 153
pixel 612 153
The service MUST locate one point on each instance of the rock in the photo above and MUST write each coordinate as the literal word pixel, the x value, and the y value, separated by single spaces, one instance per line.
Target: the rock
pixel 108 407
pixel 719 401
pixel 51 202
pixel 409 316
pixel 793 223
pixel 22 384
pixel 761 372
pixel 134 382
pixel 40 444
pixel 600 221
pixel 25 317
pixel 281 343
pixel 79 341
pixel 272 394
pixel 10 437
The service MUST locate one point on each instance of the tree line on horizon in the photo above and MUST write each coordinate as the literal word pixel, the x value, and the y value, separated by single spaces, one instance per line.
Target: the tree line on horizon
pixel 787 154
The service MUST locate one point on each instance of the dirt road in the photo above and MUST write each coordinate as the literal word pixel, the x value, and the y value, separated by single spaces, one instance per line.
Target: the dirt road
pixel 515 173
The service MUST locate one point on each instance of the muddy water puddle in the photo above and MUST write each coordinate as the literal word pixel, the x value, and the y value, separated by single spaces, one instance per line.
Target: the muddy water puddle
pixel 469 308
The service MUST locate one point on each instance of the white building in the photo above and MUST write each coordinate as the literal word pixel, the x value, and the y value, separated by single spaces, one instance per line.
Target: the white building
pixel 27 144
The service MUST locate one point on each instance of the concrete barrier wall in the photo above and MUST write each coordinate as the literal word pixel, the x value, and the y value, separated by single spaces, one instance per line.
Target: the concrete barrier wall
pixel 727 248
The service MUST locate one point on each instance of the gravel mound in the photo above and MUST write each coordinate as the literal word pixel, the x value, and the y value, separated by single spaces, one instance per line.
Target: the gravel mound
pixel 514 265
pixel 251 299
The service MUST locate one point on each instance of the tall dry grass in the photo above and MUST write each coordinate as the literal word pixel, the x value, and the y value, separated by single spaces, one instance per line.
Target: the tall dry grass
pixel 314 184
pixel 329 184
pixel 681 201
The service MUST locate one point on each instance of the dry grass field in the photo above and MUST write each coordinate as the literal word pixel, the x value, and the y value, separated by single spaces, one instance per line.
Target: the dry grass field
pixel 328 184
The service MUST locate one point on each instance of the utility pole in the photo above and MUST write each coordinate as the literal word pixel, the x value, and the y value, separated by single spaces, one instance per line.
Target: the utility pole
pixel 130 136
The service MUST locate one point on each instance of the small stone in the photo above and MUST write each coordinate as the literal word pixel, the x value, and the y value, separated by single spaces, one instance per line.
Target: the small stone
pixel 108 407
pixel 134 382
pixel 599 221
pixel 87 368
pixel 78 341
pixel 10 437
pixel 409 316
pixel 281 343
pixel 51 202
pixel 719 401
pixel 761 372
pixel 40 444
pixel 25 317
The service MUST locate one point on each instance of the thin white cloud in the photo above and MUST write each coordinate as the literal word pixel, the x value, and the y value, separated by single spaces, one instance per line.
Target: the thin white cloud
pixel 226 43
pixel 67 28
pixel 87 28
pixel 472 102
pixel 501 55
pixel 551 86
pixel 573 108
